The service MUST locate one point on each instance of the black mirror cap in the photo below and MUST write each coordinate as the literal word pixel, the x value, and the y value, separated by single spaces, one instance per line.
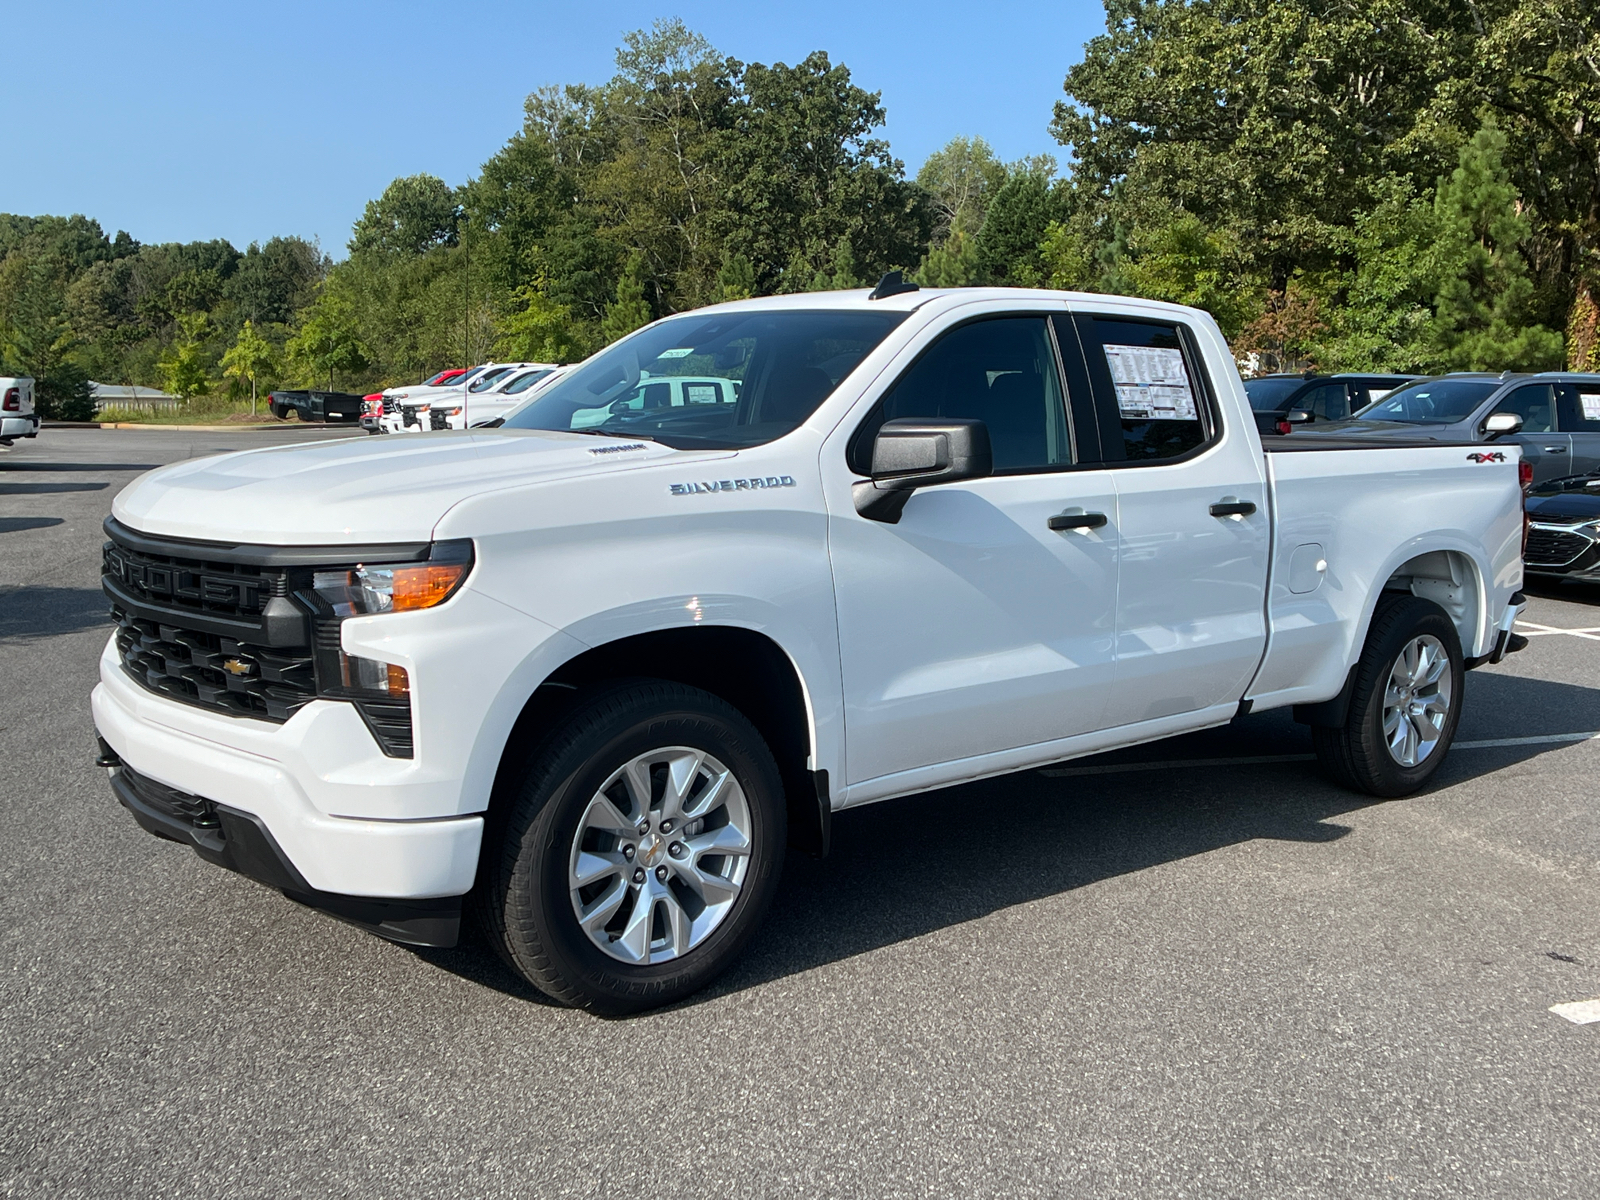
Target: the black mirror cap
pixel 915 452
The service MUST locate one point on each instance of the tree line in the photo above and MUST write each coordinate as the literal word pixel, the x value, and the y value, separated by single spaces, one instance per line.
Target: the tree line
pixel 1374 185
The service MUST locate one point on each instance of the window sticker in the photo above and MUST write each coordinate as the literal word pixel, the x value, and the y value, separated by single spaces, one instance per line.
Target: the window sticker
pixel 1591 405
pixel 1152 384
pixel 678 352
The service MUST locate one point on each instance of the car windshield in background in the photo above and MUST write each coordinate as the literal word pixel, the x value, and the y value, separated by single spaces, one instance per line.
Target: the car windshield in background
pixel 523 382
pixel 719 381
pixel 487 379
pixel 1431 402
pixel 1269 395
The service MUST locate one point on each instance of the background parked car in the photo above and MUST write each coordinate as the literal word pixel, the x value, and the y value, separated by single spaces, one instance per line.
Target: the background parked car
pixel 1558 417
pixel 1324 397
pixel 408 409
pixel 1564 528
pixel 316 406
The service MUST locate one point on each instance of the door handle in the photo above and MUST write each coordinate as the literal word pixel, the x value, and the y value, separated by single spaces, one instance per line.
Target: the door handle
pixel 1555 449
pixel 1078 520
pixel 1233 508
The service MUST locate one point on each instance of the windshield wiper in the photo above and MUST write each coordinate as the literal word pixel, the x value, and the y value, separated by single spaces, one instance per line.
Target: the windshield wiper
pixel 632 437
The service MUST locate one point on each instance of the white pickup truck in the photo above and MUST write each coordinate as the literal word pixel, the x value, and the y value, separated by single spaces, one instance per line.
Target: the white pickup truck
pixel 593 670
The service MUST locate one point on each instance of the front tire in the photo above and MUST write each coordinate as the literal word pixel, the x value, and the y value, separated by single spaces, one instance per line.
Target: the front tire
pixel 639 852
pixel 1405 706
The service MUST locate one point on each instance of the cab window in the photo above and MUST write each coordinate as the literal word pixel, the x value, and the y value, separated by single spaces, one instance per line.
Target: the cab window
pixel 1001 371
pixel 1150 377
pixel 1536 405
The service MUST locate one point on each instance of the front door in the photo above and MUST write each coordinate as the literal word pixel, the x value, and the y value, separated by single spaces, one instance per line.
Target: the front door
pixel 1543 445
pixel 971 625
pixel 1192 504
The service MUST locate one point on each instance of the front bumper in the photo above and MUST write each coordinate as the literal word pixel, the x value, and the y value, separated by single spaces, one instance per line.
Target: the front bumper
pixel 228 837
pixel 289 777
pixel 1571 551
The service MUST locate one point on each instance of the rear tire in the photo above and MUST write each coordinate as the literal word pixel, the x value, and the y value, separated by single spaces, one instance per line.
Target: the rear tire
pixel 599 915
pixel 1405 705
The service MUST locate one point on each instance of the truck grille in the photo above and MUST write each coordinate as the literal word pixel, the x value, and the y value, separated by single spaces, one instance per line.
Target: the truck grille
pixel 215 672
pixel 1553 548
pixel 222 589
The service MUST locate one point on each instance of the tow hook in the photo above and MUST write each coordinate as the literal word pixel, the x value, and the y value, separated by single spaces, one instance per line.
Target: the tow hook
pixel 107 756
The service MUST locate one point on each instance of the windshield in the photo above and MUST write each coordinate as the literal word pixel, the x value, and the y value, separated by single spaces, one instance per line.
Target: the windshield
pixel 1270 395
pixel 1431 401
pixel 483 381
pixel 718 381
pixel 441 377
pixel 523 382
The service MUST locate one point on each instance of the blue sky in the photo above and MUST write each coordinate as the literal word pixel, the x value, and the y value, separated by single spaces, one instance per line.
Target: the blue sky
pixel 182 121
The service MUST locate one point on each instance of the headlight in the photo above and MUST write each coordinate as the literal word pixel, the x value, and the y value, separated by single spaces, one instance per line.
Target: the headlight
pixel 381 691
pixel 371 589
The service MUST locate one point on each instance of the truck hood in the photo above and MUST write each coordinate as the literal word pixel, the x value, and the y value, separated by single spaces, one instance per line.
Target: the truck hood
pixel 366 489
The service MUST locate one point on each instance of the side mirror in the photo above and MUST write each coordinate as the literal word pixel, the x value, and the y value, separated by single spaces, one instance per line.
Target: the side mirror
pixel 1297 416
pixel 1501 423
pixel 912 453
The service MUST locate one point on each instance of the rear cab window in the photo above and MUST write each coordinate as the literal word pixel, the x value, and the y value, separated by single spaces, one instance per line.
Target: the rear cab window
pixel 1152 395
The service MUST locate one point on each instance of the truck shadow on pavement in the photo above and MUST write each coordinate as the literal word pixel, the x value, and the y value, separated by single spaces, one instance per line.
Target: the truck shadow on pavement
pixel 38 612
pixel 908 867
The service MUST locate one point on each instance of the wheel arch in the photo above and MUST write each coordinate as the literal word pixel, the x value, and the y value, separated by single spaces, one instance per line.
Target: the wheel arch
pixel 744 667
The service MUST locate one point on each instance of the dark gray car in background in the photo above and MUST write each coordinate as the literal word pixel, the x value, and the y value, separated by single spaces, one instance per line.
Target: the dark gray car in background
pixel 1559 413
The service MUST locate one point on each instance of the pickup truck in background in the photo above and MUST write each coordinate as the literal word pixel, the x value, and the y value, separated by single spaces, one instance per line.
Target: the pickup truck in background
pixel 335 407
pixel 17 418
pixel 594 669
pixel 498 396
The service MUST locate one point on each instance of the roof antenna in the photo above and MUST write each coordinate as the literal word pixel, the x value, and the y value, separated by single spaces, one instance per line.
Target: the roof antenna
pixel 892 284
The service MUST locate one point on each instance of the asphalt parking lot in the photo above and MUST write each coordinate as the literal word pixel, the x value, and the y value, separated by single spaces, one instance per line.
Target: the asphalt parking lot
pixel 1196 969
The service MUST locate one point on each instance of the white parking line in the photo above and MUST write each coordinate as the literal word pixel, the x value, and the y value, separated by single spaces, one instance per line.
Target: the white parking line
pixel 1590 633
pixel 1543 739
pixel 1579 1012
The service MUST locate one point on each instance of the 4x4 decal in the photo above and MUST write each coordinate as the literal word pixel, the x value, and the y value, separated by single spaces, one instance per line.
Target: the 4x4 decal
pixel 1486 456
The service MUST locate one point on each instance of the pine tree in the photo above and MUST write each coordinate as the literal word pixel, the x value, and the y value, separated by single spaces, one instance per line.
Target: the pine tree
pixel 1485 297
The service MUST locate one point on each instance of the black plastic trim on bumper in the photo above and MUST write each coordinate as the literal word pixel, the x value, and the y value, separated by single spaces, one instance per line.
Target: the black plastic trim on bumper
pixel 242 843
pixel 265 556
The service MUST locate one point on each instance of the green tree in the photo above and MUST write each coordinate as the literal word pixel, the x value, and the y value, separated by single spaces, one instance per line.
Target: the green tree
pixel 184 367
pixel 962 178
pixel 736 280
pixel 327 341
pixel 1014 228
pixel 1483 310
pixel 628 311
pixel 540 330
pixel 414 214
pixel 954 263
pixel 250 358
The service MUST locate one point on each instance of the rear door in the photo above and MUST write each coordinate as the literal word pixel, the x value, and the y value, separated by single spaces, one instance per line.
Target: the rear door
pixel 1195 532
pixel 1578 409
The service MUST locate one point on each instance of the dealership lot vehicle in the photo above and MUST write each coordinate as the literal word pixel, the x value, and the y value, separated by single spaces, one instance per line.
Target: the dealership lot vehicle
pixel 1553 418
pixel 316 406
pixel 603 664
pixel 1564 528
pixel 1140 953
pixel 495 399
pixel 1320 397
pixel 17 418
